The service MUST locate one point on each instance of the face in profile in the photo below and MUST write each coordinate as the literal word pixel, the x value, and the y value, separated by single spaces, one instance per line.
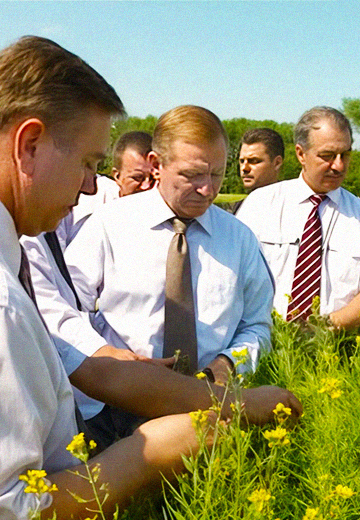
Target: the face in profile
pixel 257 169
pixel 191 179
pixel 326 161
pixel 61 169
pixel 135 175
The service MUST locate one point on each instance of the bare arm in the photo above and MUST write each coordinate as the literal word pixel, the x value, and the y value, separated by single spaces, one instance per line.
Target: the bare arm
pixel 348 317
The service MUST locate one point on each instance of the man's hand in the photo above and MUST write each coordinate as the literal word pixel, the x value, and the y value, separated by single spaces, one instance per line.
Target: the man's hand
pixel 221 366
pixel 260 402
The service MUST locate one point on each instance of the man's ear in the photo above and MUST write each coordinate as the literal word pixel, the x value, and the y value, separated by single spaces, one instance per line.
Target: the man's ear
pixel 278 161
pixel 153 158
pixel 116 174
pixel 26 144
pixel 300 154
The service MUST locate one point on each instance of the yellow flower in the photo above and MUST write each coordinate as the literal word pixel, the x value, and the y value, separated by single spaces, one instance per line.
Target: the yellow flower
pixel 200 375
pixel 259 497
pixel 343 491
pixel 277 437
pixel 241 356
pixel 330 386
pixel 37 483
pixel 78 447
pixel 312 513
pixel 281 412
pixel 240 353
pixel 199 418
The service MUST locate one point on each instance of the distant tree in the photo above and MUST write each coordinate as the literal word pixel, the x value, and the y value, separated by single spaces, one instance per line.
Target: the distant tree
pixel 236 128
pixel 351 108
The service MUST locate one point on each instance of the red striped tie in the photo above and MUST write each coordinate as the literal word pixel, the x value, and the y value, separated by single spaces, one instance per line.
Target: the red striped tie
pixel 306 282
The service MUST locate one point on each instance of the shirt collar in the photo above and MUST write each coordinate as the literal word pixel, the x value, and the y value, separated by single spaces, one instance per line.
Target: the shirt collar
pixel 161 212
pixel 9 242
pixel 303 191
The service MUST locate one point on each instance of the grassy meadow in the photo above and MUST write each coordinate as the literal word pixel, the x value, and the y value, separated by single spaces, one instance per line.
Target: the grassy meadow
pixel 277 473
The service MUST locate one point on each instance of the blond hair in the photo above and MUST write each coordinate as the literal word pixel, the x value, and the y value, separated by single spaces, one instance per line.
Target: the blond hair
pixel 189 123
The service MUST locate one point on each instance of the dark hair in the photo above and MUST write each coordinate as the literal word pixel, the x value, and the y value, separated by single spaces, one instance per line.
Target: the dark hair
pixel 187 122
pixel 272 140
pixel 310 121
pixel 39 78
pixel 138 141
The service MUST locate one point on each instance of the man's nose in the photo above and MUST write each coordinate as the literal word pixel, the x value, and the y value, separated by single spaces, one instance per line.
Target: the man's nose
pixel 338 163
pixel 244 166
pixel 205 187
pixel 89 186
pixel 146 183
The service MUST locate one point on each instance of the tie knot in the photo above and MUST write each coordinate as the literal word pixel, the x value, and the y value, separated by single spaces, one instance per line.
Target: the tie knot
pixel 180 226
pixel 317 198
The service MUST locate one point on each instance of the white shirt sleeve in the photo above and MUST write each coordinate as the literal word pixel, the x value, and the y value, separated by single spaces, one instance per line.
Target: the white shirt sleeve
pixel 257 287
pixel 71 329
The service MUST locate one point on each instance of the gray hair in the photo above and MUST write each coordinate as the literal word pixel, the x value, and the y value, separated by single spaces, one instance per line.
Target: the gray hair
pixel 310 121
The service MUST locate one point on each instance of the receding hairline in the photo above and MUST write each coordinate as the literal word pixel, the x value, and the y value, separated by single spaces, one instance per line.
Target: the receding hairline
pixel 314 118
pixel 188 123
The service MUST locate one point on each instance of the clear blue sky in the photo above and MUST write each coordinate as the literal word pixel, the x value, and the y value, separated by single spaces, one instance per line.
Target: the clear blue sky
pixel 256 59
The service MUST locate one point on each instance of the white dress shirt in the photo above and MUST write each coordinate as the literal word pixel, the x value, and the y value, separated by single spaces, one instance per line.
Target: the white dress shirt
pixel 118 263
pixel 56 300
pixel 277 214
pixel 107 190
pixel 37 419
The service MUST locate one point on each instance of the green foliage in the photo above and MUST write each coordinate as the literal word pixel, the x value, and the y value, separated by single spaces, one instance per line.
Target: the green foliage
pixel 236 129
pixel 351 108
pixel 315 475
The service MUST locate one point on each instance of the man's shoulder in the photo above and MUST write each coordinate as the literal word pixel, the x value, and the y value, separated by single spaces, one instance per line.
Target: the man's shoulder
pixel 350 202
pixel 226 224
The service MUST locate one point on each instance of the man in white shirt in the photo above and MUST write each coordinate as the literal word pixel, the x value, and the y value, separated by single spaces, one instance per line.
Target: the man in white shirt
pixel 132 170
pixel 56 298
pixel 261 156
pixel 52 140
pixel 277 214
pixel 132 173
pixel 123 249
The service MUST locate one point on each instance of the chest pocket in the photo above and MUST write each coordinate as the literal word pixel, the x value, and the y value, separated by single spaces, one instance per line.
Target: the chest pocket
pixel 343 260
pixel 279 248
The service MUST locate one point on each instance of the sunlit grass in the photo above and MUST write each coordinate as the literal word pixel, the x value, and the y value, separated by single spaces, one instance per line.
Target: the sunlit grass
pixel 250 474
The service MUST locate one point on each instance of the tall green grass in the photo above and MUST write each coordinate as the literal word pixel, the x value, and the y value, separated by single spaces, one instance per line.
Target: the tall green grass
pixel 315 476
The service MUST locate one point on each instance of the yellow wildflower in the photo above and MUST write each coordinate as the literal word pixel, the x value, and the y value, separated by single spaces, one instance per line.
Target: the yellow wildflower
pixel 277 437
pixel 259 497
pixel 282 412
pixel 199 418
pixel 330 386
pixel 312 513
pixel 200 375
pixel 78 447
pixel 37 483
pixel 240 353
pixel 241 356
pixel 343 491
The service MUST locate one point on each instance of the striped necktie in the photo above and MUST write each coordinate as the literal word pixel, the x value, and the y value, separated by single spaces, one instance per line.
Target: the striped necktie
pixel 307 275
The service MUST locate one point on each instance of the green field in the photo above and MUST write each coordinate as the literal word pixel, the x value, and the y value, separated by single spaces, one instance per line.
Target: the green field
pixel 316 475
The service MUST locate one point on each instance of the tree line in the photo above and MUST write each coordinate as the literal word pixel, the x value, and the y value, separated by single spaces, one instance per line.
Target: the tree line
pixel 236 128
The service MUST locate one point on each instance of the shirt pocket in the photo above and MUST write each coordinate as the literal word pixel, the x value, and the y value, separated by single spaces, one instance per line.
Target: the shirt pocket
pixel 343 263
pixel 279 248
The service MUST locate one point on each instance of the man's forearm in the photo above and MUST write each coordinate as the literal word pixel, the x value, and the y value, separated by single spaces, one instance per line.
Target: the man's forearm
pixel 142 388
pixel 347 317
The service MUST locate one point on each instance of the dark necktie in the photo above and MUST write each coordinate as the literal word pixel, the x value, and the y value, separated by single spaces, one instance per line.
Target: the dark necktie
pixel 25 276
pixel 25 280
pixel 54 244
pixel 179 327
pixel 307 275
